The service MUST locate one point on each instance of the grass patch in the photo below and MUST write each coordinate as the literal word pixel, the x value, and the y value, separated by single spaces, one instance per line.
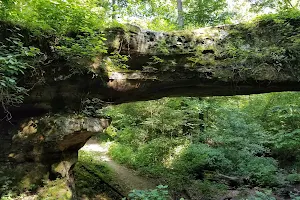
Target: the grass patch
pixel 91 177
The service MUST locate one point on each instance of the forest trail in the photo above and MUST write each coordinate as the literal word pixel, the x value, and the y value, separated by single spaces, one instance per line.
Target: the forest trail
pixel 123 178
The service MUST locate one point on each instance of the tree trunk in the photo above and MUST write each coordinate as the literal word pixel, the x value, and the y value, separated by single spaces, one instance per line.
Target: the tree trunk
pixel 180 11
pixel 114 3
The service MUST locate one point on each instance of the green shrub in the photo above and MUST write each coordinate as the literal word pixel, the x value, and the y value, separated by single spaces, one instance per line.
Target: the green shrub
pixel 287 144
pixel 131 136
pixel 154 152
pixel 160 193
pixel 122 153
pixel 293 178
pixel 57 16
pixel 260 171
pixel 294 196
pixel 199 157
pixel 210 190
pixel 267 195
pixel 15 59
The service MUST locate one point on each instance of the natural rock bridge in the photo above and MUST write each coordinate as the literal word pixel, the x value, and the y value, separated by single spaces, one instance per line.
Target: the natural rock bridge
pixel 140 65
pixel 225 60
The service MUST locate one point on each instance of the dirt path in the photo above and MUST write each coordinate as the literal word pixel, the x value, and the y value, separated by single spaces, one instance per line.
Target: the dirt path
pixel 124 179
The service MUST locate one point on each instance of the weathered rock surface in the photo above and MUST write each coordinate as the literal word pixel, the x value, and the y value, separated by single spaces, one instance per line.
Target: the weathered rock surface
pixel 226 60
pixel 45 147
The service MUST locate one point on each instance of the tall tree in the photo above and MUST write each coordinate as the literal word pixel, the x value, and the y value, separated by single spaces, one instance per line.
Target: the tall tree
pixel 114 4
pixel 205 12
pixel 180 13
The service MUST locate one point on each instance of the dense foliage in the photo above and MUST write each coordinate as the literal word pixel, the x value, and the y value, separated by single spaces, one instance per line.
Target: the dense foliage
pixel 235 141
pixel 59 21
pixel 14 60
pixel 160 193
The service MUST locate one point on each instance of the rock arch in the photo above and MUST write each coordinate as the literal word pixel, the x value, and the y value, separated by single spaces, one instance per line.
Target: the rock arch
pixel 141 65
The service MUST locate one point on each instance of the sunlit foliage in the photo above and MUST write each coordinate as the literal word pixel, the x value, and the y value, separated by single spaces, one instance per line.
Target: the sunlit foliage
pixel 183 139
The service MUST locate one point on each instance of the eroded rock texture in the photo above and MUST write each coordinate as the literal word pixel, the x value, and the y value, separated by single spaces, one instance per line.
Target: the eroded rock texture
pixel 40 148
pixel 226 60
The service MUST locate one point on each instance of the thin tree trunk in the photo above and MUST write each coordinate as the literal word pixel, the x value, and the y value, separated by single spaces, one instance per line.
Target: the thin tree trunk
pixel 289 3
pixel 113 16
pixel 180 11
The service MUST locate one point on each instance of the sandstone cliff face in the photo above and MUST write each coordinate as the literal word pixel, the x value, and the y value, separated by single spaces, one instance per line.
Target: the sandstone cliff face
pixel 142 64
pixel 41 148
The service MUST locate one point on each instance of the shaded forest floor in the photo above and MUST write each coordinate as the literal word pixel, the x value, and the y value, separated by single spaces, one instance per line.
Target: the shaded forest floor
pixel 101 178
pixel 123 178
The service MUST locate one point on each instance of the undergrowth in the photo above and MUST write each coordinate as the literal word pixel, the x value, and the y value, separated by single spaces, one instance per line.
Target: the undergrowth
pixel 91 176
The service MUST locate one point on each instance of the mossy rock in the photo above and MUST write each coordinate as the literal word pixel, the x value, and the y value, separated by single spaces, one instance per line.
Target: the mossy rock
pixel 57 189
pixel 22 177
